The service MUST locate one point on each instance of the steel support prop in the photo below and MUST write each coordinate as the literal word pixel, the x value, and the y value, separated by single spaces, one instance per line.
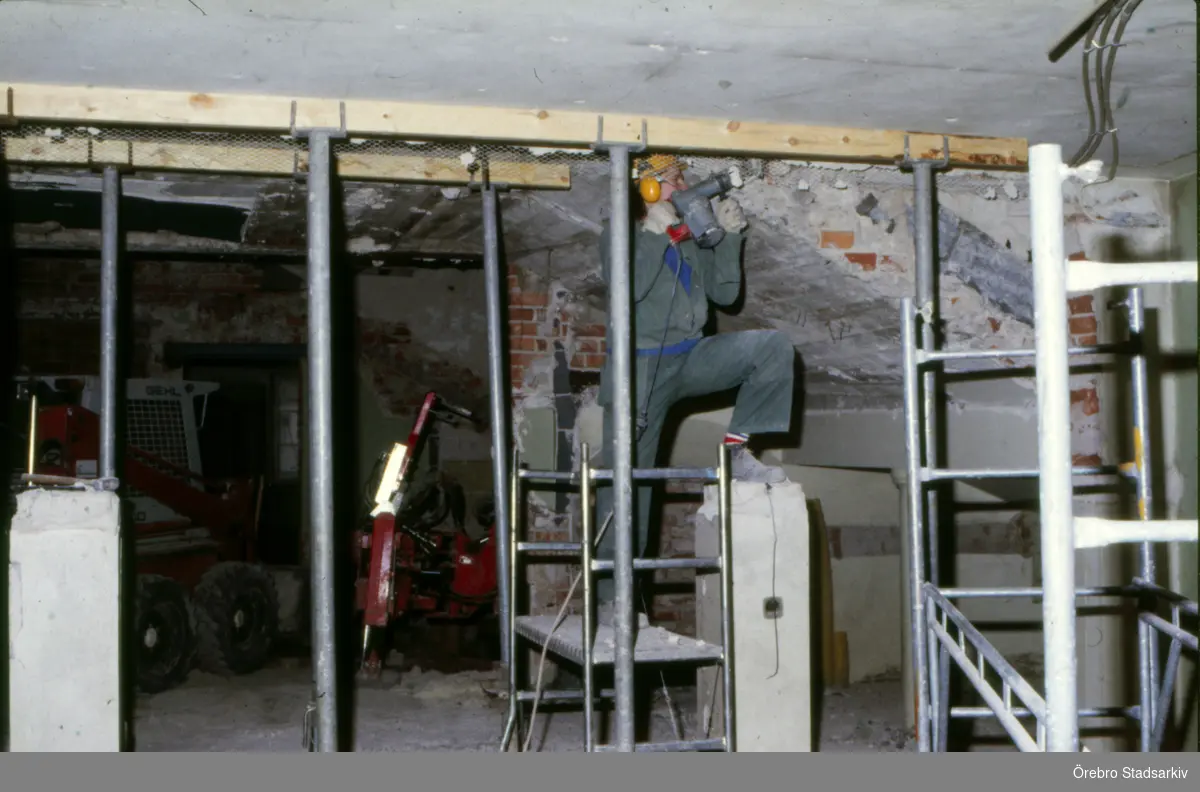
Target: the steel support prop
pixel 1147 639
pixel 926 291
pixel 320 437
pixel 109 279
pixel 1046 174
pixel 589 596
pixel 916 560
pixel 499 401
pixel 621 321
pixel 725 494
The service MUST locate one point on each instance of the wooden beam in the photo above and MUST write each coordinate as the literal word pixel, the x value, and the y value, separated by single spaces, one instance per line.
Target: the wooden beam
pixel 521 126
pixel 264 160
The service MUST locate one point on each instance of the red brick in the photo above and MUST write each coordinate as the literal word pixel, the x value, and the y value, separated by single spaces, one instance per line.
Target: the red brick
pixel 1083 325
pixel 520 315
pixel 523 329
pixel 837 239
pixel 1085 460
pixel 591 331
pixel 528 344
pixel 995 323
pixel 1079 256
pixel 1080 305
pixel 587 345
pixel 1087 340
pixel 1088 399
pixel 529 298
pixel 864 260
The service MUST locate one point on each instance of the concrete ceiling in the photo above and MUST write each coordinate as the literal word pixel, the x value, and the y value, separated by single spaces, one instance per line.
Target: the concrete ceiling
pixel 972 66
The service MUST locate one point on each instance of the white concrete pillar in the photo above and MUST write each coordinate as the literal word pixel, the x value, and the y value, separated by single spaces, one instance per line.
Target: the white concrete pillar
pixel 773 670
pixel 64 622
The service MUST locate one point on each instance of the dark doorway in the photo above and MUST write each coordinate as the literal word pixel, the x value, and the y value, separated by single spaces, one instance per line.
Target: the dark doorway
pixel 252 427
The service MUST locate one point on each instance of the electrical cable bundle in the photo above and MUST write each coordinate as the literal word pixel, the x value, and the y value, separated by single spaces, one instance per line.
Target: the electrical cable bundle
pixel 1100 115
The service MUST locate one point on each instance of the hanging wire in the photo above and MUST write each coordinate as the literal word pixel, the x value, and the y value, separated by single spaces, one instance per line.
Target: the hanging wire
pixel 1098 41
pixel 1087 90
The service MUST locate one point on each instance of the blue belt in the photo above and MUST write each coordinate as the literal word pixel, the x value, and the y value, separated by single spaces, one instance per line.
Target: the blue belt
pixel 673 349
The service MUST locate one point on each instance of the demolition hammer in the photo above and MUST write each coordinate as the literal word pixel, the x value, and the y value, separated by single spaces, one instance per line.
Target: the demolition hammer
pixel 695 206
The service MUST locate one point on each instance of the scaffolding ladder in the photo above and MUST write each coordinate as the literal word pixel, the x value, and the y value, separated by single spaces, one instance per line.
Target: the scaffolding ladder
pixel 579 639
pixel 940 632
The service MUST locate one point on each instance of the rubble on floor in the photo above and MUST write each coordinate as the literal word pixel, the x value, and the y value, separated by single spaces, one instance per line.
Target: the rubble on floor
pixel 422 710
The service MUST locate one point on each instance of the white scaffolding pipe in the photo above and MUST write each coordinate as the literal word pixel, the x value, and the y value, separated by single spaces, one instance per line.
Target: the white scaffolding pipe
pixel 1046 174
pixel 1099 532
pixel 1086 276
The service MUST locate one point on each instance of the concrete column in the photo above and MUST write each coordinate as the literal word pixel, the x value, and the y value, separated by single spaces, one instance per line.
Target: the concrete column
pixel 773 671
pixel 64 622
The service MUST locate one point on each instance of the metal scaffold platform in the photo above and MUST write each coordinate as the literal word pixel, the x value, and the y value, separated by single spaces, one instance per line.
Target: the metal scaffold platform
pixel 578 638
pixel 654 644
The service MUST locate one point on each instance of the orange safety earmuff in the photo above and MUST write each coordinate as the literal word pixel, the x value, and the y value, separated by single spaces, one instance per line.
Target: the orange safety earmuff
pixel 650 189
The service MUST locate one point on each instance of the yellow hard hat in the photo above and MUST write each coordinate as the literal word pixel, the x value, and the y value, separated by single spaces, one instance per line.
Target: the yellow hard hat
pixel 657 164
pixel 650 170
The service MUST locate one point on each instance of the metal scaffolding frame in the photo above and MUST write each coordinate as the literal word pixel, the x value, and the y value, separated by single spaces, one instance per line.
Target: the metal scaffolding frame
pixel 940 631
pixel 580 640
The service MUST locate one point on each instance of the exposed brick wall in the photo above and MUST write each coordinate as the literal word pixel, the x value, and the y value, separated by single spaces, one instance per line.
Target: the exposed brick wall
pixel 1085 398
pixel 535 327
pixel 214 302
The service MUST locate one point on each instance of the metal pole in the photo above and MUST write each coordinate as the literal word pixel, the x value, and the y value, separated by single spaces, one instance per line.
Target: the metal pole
pixel 589 606
pixel 499 401
pixel 110 236
pixel 1163 705
pixel 1147 638
pixel 926 277
pixel 620 313
pixel 943 686
pixel 912 444
pixel 320 432
pixel 1046 174
pixel 935 685
pixel 725 495
pixel 517 529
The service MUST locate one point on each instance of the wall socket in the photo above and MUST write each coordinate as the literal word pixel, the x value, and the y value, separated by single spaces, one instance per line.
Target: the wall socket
pixel 772 608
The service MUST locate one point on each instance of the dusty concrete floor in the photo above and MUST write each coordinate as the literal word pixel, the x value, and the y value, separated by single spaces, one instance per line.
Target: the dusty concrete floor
pixel 431 711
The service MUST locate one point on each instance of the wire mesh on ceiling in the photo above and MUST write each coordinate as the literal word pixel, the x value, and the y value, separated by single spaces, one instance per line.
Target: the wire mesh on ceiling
pixel 280 154
pixel 449 162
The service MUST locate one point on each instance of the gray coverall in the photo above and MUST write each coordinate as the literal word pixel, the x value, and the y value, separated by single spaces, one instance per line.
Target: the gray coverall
pixel 761 362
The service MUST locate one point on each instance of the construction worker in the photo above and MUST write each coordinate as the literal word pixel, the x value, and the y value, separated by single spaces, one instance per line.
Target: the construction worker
pixel 673 281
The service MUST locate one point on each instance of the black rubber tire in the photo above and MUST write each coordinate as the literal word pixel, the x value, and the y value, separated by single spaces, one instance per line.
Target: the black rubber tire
pixel 165 632
pixel 237 610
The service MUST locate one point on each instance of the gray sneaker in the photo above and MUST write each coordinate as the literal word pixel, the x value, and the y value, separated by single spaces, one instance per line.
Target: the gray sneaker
pixel 604 617
pixel 747 467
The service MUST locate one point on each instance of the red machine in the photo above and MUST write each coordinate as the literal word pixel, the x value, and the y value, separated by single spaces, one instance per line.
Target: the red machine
pixel 200 598
pixel 409 566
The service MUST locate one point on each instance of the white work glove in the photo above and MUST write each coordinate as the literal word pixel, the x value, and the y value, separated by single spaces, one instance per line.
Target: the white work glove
pixel 730 215
pixel 660 216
